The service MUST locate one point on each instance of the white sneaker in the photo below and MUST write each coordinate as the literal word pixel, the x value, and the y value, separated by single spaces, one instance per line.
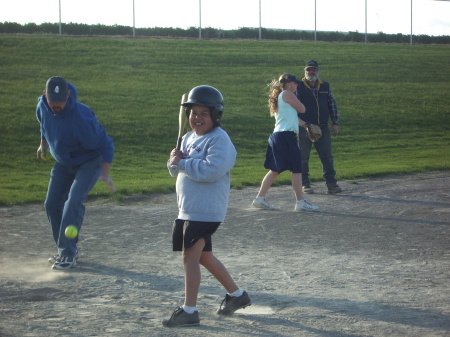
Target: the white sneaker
pixel 64 262
pixel 260 202
pixel 55 257
pixel 303 205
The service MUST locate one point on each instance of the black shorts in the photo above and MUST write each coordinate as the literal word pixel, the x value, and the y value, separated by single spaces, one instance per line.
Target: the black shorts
pixel 186 233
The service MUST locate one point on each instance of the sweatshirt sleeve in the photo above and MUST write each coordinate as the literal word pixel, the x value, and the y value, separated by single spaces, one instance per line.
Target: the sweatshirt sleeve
pixel 219 159
pixel 39 116
pixel 173 170
pixel 93 137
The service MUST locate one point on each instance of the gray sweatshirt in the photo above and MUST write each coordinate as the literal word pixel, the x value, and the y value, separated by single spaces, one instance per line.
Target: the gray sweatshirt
pixel 203 176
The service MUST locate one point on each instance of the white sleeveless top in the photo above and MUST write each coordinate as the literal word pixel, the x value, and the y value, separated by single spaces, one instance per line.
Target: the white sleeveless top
pixel 286 119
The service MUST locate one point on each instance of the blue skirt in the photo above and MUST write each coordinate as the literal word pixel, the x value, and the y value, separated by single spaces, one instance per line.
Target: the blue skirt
pixel 283 153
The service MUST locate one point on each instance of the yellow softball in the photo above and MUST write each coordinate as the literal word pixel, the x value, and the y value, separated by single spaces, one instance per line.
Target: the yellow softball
pixel 71 232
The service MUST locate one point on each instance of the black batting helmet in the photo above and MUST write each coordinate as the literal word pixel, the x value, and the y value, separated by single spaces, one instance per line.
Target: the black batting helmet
pixel 207 96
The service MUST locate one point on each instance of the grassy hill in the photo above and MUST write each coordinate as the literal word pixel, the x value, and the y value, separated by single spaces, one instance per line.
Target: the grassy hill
pixel 393 102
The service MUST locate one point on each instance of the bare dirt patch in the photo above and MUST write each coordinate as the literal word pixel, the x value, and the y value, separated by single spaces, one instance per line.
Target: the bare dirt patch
pixel 375 261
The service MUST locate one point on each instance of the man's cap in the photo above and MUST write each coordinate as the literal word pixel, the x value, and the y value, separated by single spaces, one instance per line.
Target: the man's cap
pixel 56 89
pixel 312 64
pixel 286 78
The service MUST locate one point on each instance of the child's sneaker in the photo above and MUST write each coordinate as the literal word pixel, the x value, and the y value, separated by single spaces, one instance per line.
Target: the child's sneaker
pixel 234 303
pixel 64 262
pixel 303 205
pixel 181 318
pixel 260 202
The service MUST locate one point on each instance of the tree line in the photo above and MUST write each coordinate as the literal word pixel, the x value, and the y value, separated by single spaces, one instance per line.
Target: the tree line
pixel 213 33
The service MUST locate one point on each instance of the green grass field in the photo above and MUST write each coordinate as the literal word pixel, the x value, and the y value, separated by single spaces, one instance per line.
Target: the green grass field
pixel 393 102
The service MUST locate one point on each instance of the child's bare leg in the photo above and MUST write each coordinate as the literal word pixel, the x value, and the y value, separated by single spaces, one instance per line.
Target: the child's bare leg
pixel 297 185
pixel 267 181
pixel 192 273
pixel 218 270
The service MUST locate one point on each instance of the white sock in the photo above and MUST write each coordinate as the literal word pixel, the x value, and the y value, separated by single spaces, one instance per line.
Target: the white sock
pixel 237 293
pixel 260 198
pixel 189 310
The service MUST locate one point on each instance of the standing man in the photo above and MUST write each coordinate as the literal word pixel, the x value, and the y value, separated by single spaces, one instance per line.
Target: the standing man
pixel 83 153
pixel 320 107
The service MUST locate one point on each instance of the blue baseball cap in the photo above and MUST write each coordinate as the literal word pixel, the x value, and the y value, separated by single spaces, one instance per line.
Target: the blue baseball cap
pixel 56 89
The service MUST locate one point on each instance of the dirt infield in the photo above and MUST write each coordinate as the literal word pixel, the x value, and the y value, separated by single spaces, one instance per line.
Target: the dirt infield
pixel 375 261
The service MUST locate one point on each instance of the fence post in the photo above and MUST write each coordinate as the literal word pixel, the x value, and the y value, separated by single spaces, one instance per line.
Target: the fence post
pixel 134 22
pixel 411 37
pixel 365 39
pixel 260 19
pixel 60 25
pixel 315 20
pixel 200 19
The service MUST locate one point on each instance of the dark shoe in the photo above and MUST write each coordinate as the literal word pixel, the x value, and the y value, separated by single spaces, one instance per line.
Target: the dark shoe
pixel 334 189
pixel 181 318
pixel 64 262
pixel 307 189
pixel 234 303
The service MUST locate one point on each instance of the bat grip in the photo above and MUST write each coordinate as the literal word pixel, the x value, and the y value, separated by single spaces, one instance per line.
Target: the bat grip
pixel 179 143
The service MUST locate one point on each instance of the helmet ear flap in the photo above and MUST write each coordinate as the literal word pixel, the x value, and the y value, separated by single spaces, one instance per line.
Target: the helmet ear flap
pixel 188 111
pixel 216 116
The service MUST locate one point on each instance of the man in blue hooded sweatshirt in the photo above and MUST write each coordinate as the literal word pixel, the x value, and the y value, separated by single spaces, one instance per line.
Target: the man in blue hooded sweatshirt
pixel 83 152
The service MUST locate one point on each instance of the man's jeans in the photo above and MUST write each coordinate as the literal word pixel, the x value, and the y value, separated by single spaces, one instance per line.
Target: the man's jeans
pixel 323 148
pixel 67 191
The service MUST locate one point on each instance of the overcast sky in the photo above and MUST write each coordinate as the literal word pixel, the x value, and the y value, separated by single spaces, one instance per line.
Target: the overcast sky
pixel 429 17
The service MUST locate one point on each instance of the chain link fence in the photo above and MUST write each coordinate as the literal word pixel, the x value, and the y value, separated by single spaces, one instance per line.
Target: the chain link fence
pixel 78 29
pixel 189 8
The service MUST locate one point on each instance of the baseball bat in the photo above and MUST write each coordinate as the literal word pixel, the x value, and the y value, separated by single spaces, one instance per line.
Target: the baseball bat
pixel 182 120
